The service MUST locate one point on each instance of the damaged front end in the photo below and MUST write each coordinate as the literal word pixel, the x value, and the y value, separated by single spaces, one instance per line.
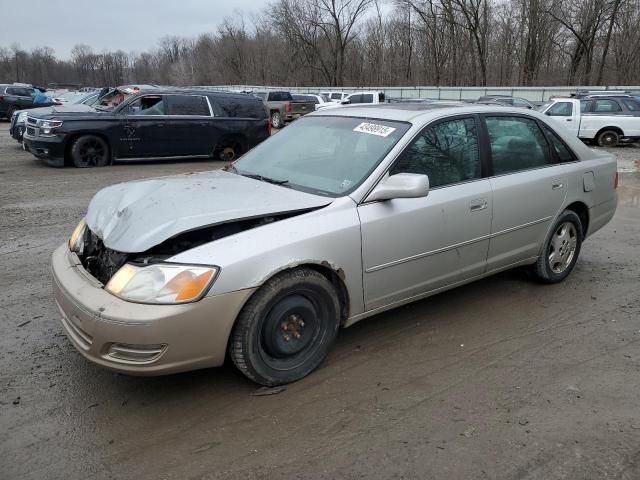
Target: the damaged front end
pixel 103 262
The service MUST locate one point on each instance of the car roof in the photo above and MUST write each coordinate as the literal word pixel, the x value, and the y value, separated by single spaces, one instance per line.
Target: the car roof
pixel 194 91
pixel 417 112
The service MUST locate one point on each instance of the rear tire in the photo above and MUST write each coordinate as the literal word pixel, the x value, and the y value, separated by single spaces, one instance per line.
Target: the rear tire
pixel 276 120
pixel 285 330
pixel 561 249
pixel 89 151
pixel 608 138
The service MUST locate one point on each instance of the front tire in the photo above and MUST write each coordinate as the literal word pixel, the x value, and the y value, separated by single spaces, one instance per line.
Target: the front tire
pixel 89 151
pixel 608 138
pixel 561 249
pixel 285 330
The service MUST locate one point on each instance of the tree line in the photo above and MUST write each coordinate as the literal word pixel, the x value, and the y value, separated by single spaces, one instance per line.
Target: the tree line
pixel 359 43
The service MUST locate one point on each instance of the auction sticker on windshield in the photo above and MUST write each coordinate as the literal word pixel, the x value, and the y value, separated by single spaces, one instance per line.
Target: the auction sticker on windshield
pixel 374 129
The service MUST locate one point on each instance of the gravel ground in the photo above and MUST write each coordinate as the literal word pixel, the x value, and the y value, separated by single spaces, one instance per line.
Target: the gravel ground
pixel 500 379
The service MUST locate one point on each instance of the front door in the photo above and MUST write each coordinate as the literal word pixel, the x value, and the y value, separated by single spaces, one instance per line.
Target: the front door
pixel 567 114
pixel 411 246
pixel 144 132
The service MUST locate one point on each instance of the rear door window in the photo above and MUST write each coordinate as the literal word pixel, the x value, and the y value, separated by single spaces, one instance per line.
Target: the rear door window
pixel 190 105
pixel 558 146
pixel 336 96
pixel 606 106
pixel 517 143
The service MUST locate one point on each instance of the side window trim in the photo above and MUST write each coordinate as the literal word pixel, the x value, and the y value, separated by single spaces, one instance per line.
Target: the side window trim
pixel 547 130
pixel 481 156
pixel 550 149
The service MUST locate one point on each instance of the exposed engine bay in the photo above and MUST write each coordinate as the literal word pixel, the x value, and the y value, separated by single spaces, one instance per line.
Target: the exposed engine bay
pixel 102 262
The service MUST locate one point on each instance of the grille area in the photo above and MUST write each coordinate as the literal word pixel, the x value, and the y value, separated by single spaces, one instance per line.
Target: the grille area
pixel 98 260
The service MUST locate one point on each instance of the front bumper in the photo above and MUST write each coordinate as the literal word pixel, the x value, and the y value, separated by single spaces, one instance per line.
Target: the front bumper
pixel 50 149
pixel 140 339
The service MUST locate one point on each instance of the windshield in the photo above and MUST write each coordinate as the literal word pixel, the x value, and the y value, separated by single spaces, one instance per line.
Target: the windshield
pixel 323 155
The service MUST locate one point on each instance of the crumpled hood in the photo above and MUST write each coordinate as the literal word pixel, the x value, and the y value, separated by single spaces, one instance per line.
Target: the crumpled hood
pixel 132 217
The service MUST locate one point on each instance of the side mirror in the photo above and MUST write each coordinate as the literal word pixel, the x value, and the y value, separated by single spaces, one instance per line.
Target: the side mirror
pixel 346 101
pixel 548 113
pixel 401 185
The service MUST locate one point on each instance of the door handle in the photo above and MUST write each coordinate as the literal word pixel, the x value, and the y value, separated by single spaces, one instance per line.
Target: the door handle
pixel 556 186
pixel 477 205
pixel 569 119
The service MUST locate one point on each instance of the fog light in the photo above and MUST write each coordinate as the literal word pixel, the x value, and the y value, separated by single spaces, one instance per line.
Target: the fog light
pixel 124 353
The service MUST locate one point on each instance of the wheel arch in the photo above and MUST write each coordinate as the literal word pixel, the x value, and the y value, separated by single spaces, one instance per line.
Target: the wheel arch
pixel 616 129
pixel 333 274
pixel 581 209
pixel 231 138
pixel 73 137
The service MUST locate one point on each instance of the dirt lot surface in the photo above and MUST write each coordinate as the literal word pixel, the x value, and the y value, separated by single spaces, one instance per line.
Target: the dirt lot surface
pixel 500 379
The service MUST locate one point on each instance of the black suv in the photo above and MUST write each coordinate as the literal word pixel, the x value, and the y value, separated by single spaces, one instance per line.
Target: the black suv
pixel 152 124
pixel 15 97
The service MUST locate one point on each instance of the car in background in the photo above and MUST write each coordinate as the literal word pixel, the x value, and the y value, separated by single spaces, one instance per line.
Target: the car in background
pixel 607 121
pixel 507 101
pixel 335 97
pixel 17 97
pixel 282 108
pixel 155 123
pixel 291 242
pixel 319 100
pixel 82 102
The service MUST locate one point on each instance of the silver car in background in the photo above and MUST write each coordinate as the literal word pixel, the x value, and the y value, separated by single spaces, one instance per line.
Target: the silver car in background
pixel 266 260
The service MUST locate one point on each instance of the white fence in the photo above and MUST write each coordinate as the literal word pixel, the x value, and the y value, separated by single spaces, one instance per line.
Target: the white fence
pixel 533 94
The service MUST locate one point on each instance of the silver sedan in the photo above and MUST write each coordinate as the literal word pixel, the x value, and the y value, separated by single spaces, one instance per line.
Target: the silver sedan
pixel 340 216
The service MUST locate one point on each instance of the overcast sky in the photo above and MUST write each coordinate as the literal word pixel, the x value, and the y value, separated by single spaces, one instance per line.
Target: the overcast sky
pixel 111 24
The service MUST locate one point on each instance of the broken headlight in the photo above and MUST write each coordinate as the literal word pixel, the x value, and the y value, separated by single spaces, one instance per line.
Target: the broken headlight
pixel 76 241
pixel 161 283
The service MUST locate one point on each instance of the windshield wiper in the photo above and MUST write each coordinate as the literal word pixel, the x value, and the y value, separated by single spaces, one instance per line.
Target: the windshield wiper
pixel 262 178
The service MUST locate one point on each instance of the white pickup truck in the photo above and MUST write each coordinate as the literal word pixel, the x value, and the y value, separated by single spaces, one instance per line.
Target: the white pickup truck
pixel 607 121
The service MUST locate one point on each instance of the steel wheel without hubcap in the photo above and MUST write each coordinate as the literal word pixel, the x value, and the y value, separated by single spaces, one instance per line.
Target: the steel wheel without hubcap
pixel 285 330
pixel 608 138
pixel 562 247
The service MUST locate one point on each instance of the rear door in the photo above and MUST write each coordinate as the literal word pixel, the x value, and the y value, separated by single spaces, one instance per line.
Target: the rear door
pixel 411 246
pixel 188 125
pixel 529 187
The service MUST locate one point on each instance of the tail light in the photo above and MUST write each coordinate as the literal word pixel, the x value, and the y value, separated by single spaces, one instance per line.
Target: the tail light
pixel 1 98
pixel 287 107
pixel 615 181
pixel 268 127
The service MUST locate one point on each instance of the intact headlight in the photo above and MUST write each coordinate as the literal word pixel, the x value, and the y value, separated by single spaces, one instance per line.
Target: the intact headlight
pixel 76 241
pixel 47 127
pixel 162 283
pixel 22 117
pixel 50 123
